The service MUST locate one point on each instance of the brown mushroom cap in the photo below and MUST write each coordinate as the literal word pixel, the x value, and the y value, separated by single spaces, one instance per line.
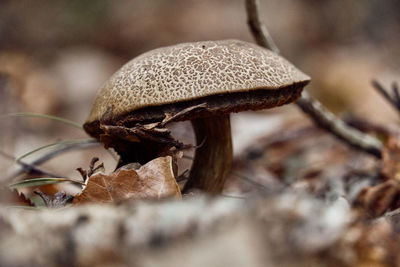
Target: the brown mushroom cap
pixel 198 72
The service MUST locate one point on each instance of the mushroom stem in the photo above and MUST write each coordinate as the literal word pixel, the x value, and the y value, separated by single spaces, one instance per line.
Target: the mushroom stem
pixel 213 157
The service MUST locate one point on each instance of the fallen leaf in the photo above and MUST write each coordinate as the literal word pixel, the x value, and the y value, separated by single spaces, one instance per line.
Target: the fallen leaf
pixel 369 243
pixel 374 201
pixel 18 198
pixel 154 180
pixel 391 159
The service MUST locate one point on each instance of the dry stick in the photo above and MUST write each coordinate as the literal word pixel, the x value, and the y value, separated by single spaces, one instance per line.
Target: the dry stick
pixel 395 88
pixel 336 126
pixel 259 30
pixel 312 107
pixel 393 100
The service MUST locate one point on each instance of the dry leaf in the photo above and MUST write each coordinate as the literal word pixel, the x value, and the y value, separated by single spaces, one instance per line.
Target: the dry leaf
pixel 18 198
pixel 153 180
pixel 13 197
pixel 369 243
pixel 374 201
pixel 391 158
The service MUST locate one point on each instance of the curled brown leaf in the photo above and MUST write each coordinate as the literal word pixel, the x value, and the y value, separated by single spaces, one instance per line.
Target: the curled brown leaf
pixel 153 180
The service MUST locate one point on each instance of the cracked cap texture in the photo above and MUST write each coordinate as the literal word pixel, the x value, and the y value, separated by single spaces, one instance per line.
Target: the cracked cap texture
pixel 190 71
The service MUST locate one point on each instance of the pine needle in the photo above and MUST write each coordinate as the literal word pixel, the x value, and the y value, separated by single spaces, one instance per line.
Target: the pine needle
pixel 39 115
pixel 65 142
pixel 42 181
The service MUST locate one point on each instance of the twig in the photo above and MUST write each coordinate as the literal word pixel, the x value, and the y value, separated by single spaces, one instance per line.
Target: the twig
pixel 325 119
pixel 312 107
pixel 393 100
pixel 258 29
pixel 395 88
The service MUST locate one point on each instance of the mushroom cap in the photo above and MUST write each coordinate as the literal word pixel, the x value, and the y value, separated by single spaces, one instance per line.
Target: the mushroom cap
pixel 192 71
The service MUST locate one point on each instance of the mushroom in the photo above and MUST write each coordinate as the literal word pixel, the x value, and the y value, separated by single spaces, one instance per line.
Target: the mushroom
pixel 202 82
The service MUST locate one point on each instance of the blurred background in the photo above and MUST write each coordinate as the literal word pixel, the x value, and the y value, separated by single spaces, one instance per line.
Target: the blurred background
pixel 54 56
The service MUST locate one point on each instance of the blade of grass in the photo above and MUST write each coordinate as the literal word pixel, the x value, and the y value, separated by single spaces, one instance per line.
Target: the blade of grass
pixel 232 196
pixel 24 207
pixel 28 168
pixel 65 142
pixel 240 176
pixel 38 115
pixel 50 155
pixel 42 181
pixel 251 181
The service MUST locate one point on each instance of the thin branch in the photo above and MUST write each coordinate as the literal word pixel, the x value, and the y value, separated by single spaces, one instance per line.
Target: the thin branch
pixel 313 108
pixel 395 88
pixel 327 120
pixel 258 29
pixel 393 100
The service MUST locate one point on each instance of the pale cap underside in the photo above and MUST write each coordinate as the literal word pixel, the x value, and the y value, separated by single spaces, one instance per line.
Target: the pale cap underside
pixel 191 71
